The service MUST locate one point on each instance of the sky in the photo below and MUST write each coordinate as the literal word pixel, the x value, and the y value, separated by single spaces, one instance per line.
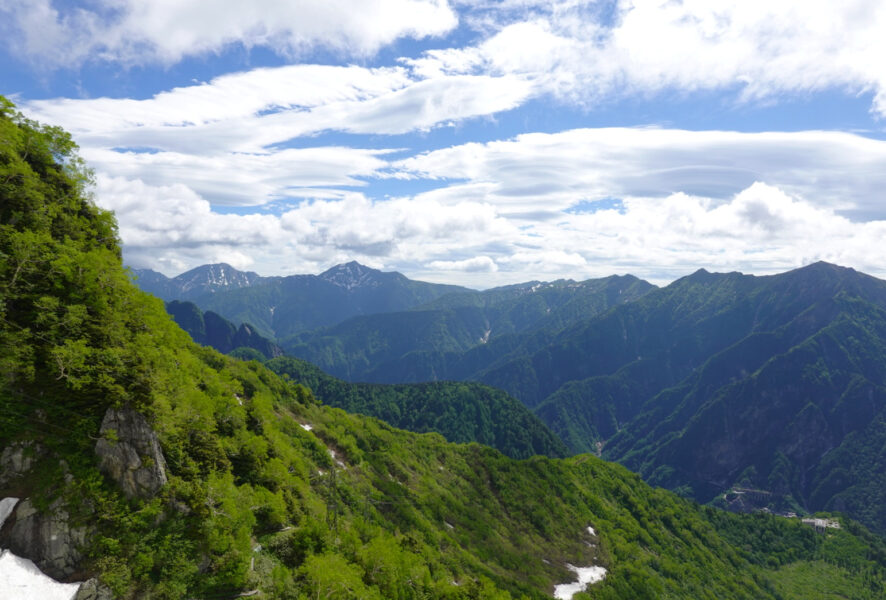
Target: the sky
pixel 470 141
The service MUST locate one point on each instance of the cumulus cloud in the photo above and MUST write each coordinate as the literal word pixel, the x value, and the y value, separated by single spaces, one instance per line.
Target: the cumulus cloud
pixel 760 229
pixel 138 32
pixel 172 228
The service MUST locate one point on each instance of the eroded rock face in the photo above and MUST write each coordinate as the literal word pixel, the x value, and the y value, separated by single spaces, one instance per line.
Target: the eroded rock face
pixel 45 538
pixel 129 453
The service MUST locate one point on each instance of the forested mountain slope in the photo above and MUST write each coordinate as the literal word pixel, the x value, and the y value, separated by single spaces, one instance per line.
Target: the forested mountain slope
pixel 459 334
pixel 460 411
pixel 211 329
pixel 717 380
pixel 167 470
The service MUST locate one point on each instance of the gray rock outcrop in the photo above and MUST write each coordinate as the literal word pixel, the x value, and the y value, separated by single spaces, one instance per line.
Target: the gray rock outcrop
pixel 93 589
pixel 46 538
pixel 129 453
pixel 16 460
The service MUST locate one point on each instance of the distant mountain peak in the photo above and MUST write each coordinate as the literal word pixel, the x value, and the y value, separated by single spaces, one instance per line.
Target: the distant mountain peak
pixel 351 275
pixel 214 277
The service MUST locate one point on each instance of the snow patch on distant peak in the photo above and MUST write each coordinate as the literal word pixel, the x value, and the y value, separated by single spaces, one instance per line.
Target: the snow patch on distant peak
pixel 591 530
pixel 350 275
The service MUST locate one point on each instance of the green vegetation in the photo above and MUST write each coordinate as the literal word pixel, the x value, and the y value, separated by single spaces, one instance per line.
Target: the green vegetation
pixel 459 335
pixel 461 412
pixel 350 508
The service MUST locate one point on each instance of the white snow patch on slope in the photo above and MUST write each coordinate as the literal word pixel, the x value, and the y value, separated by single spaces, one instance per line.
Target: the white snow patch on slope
pixel 20 579
pixel 586 576
pixel 305 426
pixel 591 530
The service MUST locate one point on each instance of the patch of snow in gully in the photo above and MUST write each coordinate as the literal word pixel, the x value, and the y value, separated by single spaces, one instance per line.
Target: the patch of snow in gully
pixel 20 579
pixel 586 576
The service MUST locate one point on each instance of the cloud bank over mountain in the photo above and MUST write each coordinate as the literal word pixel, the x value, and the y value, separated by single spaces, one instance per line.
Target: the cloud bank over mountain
pixel 472 142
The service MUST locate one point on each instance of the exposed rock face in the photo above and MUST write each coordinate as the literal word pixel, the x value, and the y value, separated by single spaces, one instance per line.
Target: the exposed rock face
pixel 45 538
pixel 129 453
pixel 16 460
pixel 93 590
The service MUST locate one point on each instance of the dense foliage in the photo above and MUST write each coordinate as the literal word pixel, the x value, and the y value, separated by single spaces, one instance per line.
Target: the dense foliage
pixel 329 505
pixel 461 412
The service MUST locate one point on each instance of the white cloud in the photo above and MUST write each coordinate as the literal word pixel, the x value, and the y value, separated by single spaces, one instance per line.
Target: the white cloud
pixel 172 228
pixel 477 264
pixel 540 172
pixel 760 229
pixel 759 47
pixel 275 107
pixel 244 179
pixel 137 32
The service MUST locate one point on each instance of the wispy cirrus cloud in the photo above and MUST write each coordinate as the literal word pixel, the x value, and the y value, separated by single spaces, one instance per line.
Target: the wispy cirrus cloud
pixel 553 172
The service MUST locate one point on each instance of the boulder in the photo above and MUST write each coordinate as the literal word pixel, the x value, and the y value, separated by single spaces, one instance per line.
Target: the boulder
pixel 129 453
pixel 93 589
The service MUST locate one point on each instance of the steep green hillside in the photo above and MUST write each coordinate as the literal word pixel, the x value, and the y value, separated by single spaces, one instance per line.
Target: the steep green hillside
pixel 771 383
pixel 458 335
pixel 461 412
pixel 169 470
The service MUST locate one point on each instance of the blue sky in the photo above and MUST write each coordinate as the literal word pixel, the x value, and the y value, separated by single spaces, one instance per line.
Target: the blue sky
pixel 471 142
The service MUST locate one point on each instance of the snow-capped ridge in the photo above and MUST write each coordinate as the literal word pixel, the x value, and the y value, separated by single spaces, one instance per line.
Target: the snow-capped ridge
pixel 351 275
pixel 215 277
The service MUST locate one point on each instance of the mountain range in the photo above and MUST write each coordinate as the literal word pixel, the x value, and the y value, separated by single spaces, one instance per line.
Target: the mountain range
pixel 714 384
pixel 153 467
pixel 278 307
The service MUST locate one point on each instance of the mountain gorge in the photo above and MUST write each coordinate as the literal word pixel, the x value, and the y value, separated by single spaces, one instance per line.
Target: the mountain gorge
pixel 157 468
